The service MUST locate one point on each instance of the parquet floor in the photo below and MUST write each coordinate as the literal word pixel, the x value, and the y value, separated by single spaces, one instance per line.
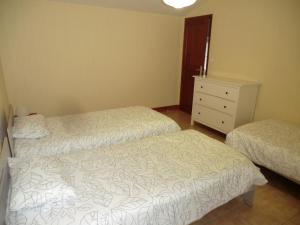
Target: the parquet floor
pixel 276 203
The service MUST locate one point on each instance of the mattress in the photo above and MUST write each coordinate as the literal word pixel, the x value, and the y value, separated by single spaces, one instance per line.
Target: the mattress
pixel 270 143
pixel 95 129
pixel 173 179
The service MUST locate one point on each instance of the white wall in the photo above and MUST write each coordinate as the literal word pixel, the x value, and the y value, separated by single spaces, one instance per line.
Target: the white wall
pixel 63 58
pixel 259 40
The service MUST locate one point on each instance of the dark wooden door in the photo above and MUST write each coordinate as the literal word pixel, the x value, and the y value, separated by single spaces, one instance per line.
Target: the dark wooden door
pixel 196 41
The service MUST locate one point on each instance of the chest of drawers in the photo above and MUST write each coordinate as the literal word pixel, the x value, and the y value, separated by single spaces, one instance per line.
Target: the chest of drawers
pixel 223 104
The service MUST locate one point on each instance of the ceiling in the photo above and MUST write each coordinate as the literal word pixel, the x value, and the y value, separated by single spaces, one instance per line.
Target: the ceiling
pixel 154 6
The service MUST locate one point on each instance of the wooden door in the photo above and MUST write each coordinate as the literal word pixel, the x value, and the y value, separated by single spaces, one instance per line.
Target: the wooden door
pixel 196 43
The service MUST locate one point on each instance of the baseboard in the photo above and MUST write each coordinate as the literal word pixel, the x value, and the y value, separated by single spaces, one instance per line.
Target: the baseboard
pixel 164 108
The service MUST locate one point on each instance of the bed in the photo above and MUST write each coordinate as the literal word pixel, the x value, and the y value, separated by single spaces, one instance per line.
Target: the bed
pixel 172 179
pixel 270 143
pixel 92 130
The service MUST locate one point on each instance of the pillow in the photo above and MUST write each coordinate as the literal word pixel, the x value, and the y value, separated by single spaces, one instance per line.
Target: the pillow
pixel 37 182
pixel 33 126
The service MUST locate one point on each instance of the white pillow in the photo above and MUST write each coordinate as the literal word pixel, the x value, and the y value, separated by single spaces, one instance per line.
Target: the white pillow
pixel 33 126
pixel 37 182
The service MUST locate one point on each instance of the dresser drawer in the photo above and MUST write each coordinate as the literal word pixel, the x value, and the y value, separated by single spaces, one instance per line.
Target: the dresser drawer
pixel 213 118
pixel 213 102
pixel 217 90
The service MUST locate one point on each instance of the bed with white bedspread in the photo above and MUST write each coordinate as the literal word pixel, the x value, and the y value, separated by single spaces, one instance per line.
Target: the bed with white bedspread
pixel 172 179
pixel 270 143
pixel 95 129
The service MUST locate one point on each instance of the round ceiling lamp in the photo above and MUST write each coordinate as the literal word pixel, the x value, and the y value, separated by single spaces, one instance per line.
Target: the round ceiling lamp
pixel 178 4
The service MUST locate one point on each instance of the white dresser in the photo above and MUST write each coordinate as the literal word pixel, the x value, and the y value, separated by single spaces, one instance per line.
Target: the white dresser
pixel 223 104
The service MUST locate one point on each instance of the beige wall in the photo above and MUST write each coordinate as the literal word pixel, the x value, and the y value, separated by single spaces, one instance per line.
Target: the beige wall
pixel 259 40
pixel 3 107
pixel 63 58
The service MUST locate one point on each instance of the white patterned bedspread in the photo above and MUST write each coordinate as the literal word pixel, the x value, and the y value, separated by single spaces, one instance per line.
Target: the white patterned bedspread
pixel 270 143
pixel 173 179
pixel 96 129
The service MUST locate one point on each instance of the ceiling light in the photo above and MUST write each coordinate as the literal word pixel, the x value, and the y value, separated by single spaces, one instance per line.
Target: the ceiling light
pixel 178 4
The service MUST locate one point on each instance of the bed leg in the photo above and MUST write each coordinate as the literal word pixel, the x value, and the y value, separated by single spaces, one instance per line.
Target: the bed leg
pixel 248 197
pixel 192 122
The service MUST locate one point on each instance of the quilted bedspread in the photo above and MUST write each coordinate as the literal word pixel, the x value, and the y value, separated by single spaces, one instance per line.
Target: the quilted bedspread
pixel 95 129
pixel 270 143
pixel 173 179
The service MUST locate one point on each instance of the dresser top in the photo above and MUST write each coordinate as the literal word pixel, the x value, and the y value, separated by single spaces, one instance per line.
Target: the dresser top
pixel 228 81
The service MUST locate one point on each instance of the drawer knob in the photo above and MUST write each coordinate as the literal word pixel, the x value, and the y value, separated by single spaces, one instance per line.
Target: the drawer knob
pixel 225 106
pixel 201 86
pixel 226 93
pixel 199 113
pixel 200 99
pixel 223 122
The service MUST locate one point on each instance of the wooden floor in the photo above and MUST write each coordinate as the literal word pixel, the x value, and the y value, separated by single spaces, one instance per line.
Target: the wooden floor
pixel 276 203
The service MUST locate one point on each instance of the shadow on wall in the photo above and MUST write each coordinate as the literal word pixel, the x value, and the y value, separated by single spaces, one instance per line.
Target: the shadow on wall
pixel 3 107
pixel 70 106
pixel 3 125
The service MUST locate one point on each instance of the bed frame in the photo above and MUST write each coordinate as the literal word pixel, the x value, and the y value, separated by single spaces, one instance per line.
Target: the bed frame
pixel 4 180
pixel 248 197
pixel 10 124
pixel 291 179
